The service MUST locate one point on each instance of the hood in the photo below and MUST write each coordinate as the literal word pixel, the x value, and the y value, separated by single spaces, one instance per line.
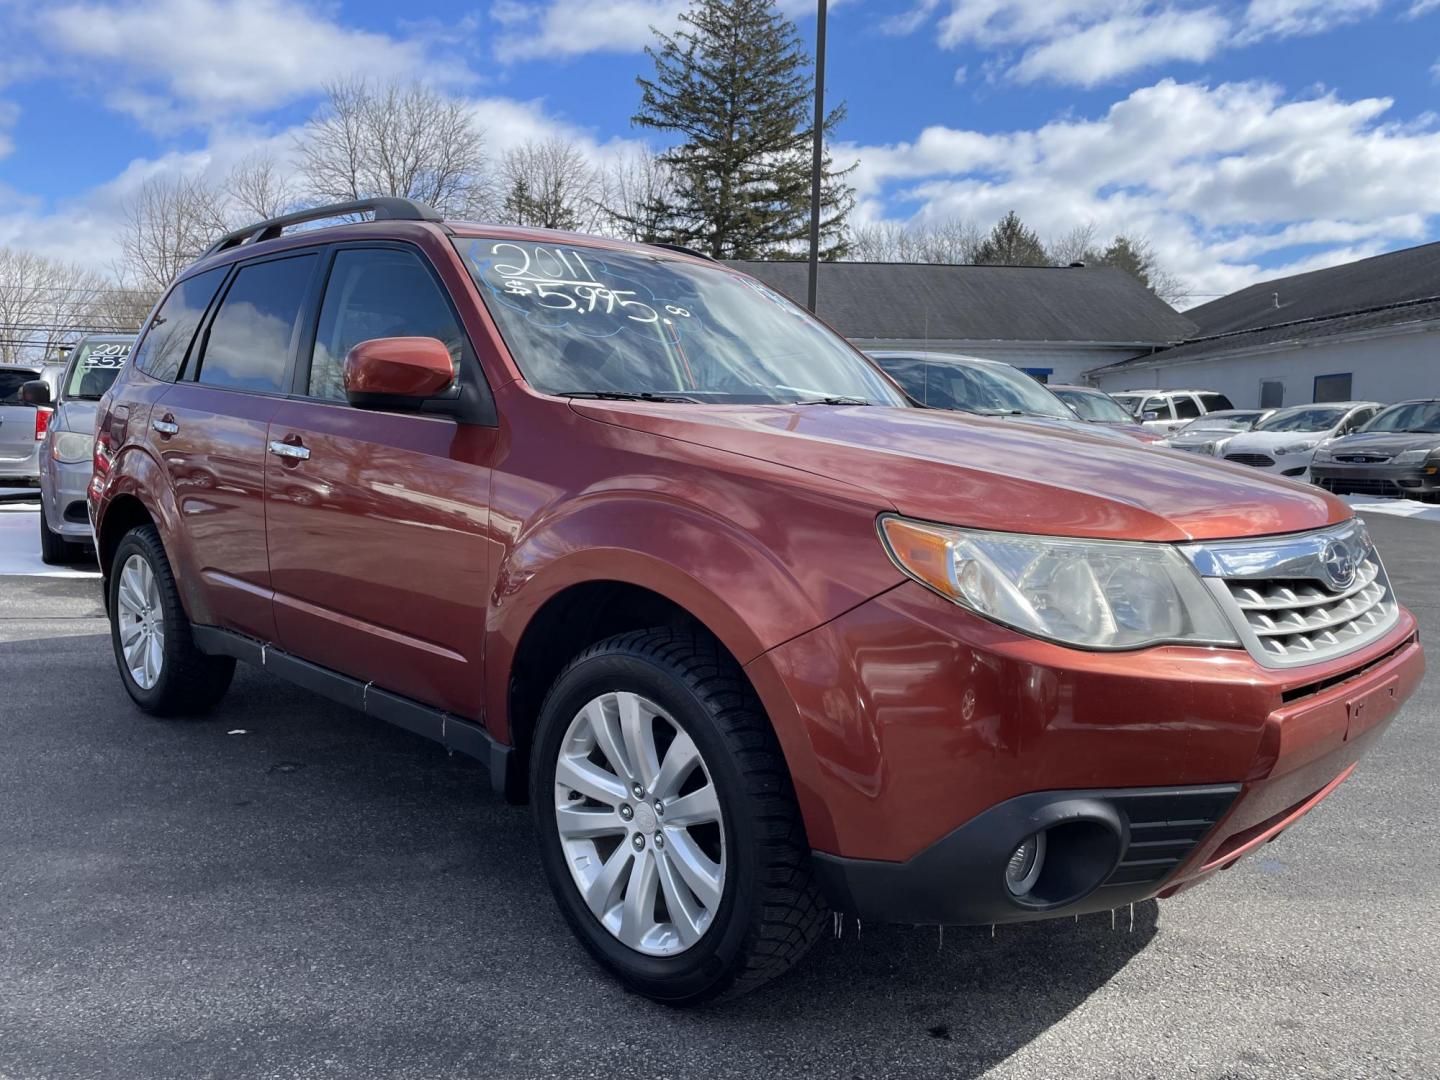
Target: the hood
pixel 1382 442
pixel 1265 441
pixel 996 473
pixel 1196 436
pixel 76 415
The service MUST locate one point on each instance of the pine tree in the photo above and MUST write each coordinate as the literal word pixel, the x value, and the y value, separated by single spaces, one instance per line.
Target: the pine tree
pixel 1010 243
pixel 736 86
pixel 1133 257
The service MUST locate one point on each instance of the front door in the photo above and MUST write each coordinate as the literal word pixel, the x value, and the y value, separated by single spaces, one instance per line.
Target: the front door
pixel 210 429
pixel 376 519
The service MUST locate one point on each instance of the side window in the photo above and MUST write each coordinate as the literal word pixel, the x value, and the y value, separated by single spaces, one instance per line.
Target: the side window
pixel 248 344
pixel 1215 402
pixel 377 293
pixel 1159 406
pixel 1186 407
pixel 162 350
pixel 1358 419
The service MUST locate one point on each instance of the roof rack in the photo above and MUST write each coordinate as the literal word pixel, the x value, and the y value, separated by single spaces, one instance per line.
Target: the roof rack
pixel 684 250
pixel 384 208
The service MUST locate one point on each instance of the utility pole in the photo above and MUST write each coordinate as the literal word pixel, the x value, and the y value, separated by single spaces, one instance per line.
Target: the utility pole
pixel 818 155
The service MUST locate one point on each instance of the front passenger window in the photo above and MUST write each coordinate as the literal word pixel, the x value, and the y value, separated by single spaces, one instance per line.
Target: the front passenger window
pixel 377 293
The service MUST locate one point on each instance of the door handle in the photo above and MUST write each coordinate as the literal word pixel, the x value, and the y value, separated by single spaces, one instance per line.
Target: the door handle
pixel 289 450
pixel 165 427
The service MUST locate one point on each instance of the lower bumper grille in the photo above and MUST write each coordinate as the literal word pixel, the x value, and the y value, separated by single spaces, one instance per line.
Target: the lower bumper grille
pixel 1260 461
pixel 1165 826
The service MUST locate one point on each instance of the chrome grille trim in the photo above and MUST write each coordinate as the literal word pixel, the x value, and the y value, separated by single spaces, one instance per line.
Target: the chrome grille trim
pixel 1285 600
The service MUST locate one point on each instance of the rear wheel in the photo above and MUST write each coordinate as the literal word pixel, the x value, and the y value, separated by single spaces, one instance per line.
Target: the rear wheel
pixel 161 667
pixel 55 550
pixel 668 825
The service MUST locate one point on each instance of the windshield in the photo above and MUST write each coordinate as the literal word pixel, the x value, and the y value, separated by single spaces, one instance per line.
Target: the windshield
pixel 1097 408
pixel 975 387
pixel 96 365
pixel 1417 416
pixel 1129 402
pixel 1303 418
pixel 592 321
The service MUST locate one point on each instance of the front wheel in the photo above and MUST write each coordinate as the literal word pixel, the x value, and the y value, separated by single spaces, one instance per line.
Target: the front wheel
pixel 162 669
pixel 55 550
pixel 668 824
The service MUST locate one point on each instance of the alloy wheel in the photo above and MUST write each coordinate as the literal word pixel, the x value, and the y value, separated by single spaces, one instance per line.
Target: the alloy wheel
pixel 141 622
pixel 640 825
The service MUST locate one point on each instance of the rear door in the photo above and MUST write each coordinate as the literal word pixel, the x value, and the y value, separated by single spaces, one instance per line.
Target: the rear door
pixel 17 421
pixel 376 535
pixel 209 429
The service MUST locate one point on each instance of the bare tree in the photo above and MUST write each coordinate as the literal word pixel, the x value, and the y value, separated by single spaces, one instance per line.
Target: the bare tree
pixel 637 186
pixel 950 240
pixel 395 139
pixel 47 303
pixel 167 224
pixel 257 189
pixel 1074 245
pixel 549 184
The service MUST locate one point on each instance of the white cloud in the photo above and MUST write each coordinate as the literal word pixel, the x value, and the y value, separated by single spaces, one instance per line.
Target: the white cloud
pixel 1087 42
pixel 172 61
pixel 9 115
pixel 1119 46
pixel 1216 176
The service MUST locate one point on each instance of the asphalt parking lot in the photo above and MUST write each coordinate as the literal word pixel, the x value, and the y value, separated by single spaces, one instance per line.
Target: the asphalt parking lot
pixel 286 889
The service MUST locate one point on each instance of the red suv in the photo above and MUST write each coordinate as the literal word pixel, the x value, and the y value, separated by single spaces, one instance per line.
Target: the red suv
pixel 753 632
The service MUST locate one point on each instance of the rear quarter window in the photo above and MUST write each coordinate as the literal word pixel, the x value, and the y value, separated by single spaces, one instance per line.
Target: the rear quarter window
pixel 163 348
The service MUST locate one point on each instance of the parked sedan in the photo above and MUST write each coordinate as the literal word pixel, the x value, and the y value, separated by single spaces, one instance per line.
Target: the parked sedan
pixel 1285 442
pixel 22 424
pixel 1210 434
pixel 1395 454
pixel 1097 407
pixel 983 388
pixel 65 459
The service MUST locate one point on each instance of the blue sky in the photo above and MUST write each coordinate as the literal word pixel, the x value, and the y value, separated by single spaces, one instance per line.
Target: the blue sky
pixel 1246 139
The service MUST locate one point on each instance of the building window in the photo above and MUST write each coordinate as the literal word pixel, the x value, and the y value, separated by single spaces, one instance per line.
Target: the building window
pixel 1039 374
pixel 1332 387
pixel 1272 393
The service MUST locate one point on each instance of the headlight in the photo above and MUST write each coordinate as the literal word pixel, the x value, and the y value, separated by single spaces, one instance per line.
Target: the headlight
pixel 1296 448
pixel 1323 453
pixel 1411 457
pixel 72 447
pixel 1206 448
pixel 1097 594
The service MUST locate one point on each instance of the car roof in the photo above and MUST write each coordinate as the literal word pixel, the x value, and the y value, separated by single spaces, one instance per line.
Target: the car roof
pixel 1078 389
pixel 938 357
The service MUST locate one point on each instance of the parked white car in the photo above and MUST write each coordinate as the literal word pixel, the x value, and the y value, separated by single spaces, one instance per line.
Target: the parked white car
pixel 1286 442
pixel 1167 411
pixel 1212 432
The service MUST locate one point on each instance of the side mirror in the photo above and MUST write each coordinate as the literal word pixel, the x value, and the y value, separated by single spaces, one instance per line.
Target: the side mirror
pixel 1150 414
pixel 397 372
pixel 35 392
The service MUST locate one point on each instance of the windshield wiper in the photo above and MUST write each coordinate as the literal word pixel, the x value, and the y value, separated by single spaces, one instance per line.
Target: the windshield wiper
pixel 836 399
pixel 626 395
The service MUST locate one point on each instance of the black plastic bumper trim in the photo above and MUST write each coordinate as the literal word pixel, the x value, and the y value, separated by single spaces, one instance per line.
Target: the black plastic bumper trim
pixel 454 733
pixel 1134 839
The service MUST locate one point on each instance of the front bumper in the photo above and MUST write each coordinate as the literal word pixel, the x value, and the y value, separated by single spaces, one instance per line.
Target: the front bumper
pixel 1395 481
pixel 63 490
pixel 926 743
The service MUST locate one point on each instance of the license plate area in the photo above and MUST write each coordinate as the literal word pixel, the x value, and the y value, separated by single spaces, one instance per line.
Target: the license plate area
pixel 1375 706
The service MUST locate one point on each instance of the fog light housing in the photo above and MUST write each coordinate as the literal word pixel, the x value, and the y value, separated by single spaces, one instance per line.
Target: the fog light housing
pixel 1026 861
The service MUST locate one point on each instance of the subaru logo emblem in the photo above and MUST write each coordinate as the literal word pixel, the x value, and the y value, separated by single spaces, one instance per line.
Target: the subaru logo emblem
pixel 1339 564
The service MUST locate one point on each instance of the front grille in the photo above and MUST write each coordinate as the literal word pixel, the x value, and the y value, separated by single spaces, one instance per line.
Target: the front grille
pixel 1260 461
pixel 1301 599
pixel 1165 826
pixel 1357 486
pixel 1363 459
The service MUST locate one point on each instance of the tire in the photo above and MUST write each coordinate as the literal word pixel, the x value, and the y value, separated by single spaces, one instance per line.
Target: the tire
pixel 55 550
pixel 765 912
pixel 182 681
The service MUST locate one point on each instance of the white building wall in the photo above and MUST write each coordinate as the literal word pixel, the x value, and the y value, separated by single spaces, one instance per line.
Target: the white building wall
pixel 1065 361
pixel 1390 365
